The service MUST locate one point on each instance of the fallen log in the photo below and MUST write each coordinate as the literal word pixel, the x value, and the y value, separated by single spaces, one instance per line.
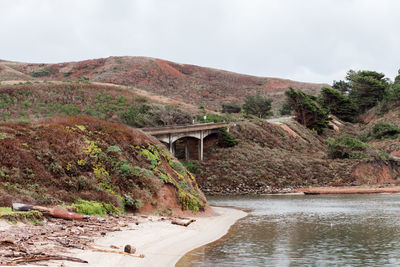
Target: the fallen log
pixel 182 222
pixel 55 212
pixel 36 258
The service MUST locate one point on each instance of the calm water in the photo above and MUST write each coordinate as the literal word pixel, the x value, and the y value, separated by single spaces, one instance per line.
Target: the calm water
pixel 331 230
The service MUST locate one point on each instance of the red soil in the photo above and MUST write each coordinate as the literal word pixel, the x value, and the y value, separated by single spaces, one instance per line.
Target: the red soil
pixel 187 83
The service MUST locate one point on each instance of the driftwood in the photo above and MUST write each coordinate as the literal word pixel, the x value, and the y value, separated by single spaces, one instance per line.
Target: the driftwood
pixel 36 258
pixel 55 212
pixel 183 222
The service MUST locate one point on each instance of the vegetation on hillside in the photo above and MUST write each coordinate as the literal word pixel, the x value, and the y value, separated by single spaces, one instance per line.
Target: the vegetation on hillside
pixel 307 110
pixel 81 158
pixel 144 115
pixel 232 107
pixel 257 105
pixel 339 104
pixel 381 130
pixel 186 83
pixel 254 156
pixel 28 102
pixel 346 147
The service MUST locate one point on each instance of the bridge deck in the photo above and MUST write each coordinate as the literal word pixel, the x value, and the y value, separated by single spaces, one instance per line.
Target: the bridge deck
pixel 184 128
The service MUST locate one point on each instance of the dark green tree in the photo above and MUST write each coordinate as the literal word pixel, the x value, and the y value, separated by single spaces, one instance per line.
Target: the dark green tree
pixel 339 104
pixel 397 78
pixel 232 107
pixel 285 109
pixel 307 110
pixel 226 139
pixel 342 86
pixel 367 88
pixel 257 105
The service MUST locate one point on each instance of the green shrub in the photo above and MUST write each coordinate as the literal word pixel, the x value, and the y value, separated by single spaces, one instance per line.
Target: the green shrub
pixel 213 118
pixel 129 202
pixel 40 73
pixel 191 166
pixel 154 115
pixel 226 139
pixel 346 147
pixel 232 107
pixel 381 130
pixel 140 99
pixel 95 208
pixel 114 149
pixel 26 104
pixel 126 169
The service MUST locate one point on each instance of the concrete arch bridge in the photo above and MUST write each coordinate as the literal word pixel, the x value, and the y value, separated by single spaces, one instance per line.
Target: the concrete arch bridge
pixel 188 137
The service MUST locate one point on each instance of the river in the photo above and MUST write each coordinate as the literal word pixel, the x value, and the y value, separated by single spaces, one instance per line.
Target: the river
pixel 298 230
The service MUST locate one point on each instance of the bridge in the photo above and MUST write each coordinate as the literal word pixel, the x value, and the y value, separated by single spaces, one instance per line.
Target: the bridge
pixel 171 134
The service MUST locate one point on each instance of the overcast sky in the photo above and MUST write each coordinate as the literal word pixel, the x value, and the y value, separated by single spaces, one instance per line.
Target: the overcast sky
pixel 305 40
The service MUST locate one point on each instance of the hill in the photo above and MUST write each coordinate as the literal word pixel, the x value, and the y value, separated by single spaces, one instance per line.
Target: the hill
pixel 66 160
pixel 191 84
pixel 29 102
pixel 283 156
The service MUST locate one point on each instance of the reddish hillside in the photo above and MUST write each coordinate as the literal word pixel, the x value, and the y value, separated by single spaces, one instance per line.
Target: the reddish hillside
pixel 188 83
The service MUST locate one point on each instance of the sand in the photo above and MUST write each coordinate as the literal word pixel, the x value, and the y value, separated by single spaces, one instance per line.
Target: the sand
pixel 162 243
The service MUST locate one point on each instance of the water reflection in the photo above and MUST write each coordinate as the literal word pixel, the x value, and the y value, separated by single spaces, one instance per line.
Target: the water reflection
pixel 334 230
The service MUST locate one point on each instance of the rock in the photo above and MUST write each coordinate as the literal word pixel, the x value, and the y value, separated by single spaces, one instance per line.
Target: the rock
pixel 129 249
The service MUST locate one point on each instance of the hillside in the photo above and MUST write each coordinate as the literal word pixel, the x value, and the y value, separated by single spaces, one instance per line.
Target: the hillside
pixel 390 146
pixel 276 157
pixel 68 159
pixel 191 84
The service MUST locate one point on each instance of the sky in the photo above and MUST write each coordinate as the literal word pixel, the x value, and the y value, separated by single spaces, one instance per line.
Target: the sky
pixel 304 40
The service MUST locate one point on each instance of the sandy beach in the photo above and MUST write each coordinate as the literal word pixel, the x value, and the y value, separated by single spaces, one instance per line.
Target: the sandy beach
pixel 161 242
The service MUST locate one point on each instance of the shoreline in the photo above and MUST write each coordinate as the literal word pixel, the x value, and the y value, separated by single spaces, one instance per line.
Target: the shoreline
pixel 310 190
pixel 350 190
pixel 161 243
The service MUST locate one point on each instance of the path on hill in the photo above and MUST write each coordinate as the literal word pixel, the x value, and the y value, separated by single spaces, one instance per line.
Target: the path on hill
pixel 281 119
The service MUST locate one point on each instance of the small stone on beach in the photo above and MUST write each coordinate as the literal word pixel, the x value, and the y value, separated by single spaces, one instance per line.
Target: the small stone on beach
pixel 129 249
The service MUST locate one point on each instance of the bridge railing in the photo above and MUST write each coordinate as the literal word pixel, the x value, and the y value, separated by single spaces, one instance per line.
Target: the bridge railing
pixel 211 125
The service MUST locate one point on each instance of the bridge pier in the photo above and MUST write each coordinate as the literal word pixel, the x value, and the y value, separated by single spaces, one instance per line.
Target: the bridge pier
pixel 201 145
pixel 187 156
pixel 169 135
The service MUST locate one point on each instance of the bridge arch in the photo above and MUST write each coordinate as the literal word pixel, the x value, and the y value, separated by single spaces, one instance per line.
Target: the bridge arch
pixel 170 135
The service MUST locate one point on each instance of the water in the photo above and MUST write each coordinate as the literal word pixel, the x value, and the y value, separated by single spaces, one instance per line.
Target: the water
pixel 325 230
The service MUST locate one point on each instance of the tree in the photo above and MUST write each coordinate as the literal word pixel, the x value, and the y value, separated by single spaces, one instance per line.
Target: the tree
pixel 342 86
pixel 285 109
pixel 232 107
pixel 367 88
pixel 257 105
pixel 397 78
pixel 307 110
pixel 154 115
pixel 339 104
